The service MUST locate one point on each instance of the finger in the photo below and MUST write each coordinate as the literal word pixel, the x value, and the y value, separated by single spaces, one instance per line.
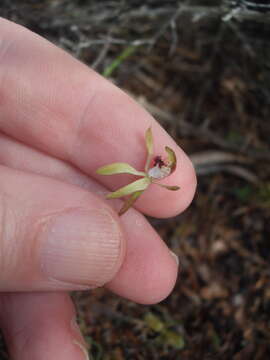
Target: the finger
pixel 41 326
pixel 54 235
pixel 149 270
pixel 56 104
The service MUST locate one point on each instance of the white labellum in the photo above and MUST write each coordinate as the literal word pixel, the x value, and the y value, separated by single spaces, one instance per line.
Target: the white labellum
pixel 158 172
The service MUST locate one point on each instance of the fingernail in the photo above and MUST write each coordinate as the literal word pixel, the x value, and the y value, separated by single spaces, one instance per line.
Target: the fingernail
pixel 175 257
pixel 83 349
pixel 81 247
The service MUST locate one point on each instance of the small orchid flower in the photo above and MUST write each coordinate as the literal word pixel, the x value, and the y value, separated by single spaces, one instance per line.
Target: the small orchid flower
pixel 159 170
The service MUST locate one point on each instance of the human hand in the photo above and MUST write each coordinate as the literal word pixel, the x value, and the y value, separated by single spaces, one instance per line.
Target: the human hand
pixel 59 122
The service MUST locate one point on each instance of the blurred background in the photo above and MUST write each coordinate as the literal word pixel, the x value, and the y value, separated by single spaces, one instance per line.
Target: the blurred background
pixel 202 68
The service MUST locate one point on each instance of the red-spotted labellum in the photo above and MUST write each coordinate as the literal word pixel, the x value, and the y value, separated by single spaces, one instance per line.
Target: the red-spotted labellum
pixel 159 170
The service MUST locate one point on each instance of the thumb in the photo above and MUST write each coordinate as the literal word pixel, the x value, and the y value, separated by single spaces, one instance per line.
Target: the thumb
pixel 54 235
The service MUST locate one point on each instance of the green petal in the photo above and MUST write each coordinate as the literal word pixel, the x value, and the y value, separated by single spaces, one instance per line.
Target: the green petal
pixel 130 201
pixel 149 146
pixel 171 158
pixel 168 187
pixel 137 185
pixel 118 168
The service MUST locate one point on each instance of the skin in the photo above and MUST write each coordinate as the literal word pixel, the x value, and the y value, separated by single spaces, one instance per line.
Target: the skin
pixel 59 122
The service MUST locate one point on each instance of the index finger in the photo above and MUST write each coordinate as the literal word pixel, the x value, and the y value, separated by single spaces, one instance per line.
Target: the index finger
pixel 52 102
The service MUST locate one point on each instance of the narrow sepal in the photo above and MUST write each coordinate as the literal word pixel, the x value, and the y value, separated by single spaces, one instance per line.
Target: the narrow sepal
pixel 137 185
pixel 149 146
pixel 118 168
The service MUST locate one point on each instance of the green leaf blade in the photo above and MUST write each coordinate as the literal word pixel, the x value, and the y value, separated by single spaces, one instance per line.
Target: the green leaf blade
pixel 137 185
pixel 173 339
pixel 154 322
pixel 118 168
pixel 119 60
